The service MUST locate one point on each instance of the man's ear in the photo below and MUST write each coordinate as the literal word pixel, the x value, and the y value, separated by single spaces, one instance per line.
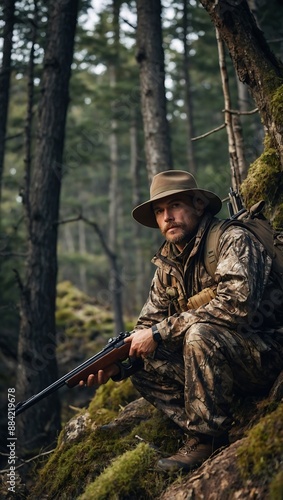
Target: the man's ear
pixel 199 206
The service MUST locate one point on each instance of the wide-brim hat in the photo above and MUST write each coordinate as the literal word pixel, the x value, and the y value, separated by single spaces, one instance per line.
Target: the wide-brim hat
pixel 169 183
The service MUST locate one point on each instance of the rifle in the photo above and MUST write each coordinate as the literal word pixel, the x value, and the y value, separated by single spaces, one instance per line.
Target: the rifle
pixel 115 351
pixel 235 204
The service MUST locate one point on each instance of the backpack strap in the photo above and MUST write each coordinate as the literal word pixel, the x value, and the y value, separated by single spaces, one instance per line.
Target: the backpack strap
pixel 211 253
pixel 257 225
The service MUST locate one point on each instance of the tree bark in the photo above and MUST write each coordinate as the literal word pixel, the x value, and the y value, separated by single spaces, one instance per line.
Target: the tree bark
pixel 5 73
pixel 138 295
pixel 229 122
pixel 115 282
pixel 188 94
pixel 29 117
pixel 37 365
pixel 255 63
pixel 150 56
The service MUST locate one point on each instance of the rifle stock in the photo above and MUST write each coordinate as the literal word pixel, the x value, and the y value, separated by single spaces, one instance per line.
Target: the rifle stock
pixel 115 351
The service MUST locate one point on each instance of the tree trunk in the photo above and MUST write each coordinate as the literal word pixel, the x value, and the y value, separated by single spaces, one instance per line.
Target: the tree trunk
pixel 37 365
pixel 150 56
pixel 5 73
pixel 115 282
pixel 83 252
pixel 138 295
pixel 113 187
pixel 188 95
pixel 229 122
pixel 255 63
pixel 29 117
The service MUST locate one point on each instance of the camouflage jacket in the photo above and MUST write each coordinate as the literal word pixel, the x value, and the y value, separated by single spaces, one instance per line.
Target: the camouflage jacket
pixel 242 279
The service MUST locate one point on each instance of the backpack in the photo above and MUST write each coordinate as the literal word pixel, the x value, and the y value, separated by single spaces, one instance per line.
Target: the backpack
pixel 259 226
pixel 254 221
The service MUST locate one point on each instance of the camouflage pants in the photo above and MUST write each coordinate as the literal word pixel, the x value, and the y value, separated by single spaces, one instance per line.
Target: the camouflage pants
pixel 195 385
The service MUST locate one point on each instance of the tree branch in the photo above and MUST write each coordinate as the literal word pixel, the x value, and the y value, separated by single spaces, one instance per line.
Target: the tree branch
pixel 24 462
pixel 232 112
pixel 209 133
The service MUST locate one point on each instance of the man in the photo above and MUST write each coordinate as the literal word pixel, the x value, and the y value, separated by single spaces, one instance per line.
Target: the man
pixel 191 362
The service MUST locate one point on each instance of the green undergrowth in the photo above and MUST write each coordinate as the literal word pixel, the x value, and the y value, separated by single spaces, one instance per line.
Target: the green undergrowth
pixel 79 315
pixel 113 462
pixel 261 455
pixel 110 398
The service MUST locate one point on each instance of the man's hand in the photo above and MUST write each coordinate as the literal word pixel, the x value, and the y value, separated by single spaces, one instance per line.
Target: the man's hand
pixel 142 343
pixel 101 377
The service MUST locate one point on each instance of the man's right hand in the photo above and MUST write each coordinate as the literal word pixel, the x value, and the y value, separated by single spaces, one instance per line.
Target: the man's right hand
pixel 101 377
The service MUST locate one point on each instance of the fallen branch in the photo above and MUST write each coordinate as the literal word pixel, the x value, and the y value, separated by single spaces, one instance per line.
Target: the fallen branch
pixel 24 462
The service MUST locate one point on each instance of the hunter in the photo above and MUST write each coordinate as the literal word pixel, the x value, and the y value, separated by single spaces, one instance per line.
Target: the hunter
pixel 194 356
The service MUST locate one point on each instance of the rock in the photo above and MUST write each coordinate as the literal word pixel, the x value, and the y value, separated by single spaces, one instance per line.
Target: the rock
pixel 75 427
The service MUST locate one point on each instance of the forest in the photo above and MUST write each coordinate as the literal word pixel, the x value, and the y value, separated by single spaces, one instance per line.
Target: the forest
pixel 95 99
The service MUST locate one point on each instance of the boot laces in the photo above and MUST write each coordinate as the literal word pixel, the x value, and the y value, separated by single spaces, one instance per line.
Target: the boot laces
pixel 190 445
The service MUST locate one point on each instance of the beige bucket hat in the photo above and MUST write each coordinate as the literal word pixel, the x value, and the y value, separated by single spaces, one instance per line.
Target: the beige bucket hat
pixel 169 183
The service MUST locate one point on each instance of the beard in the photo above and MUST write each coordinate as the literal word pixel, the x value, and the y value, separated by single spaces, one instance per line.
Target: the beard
pixel 177 234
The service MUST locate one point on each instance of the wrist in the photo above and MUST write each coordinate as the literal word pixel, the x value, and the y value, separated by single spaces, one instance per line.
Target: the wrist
pixel 156 335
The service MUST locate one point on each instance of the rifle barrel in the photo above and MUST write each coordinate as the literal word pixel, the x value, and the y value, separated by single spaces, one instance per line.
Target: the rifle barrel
pixel 110 346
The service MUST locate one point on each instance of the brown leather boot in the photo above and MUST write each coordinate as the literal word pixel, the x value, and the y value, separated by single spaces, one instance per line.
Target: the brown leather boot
pixel 194 452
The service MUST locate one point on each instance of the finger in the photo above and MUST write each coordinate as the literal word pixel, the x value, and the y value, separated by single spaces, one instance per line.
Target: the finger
pixel 132 352
pixel 101 377
pixel 90 380
pixel 128 339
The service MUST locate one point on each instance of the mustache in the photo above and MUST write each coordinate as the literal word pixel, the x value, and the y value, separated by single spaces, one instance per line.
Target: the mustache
pixel 172 226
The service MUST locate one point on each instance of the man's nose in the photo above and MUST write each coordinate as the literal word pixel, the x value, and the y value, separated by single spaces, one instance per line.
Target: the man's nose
pixel 168 215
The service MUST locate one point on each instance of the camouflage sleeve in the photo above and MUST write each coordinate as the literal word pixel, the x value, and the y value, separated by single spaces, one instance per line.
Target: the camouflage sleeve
pixel 156 307
pixel 241 276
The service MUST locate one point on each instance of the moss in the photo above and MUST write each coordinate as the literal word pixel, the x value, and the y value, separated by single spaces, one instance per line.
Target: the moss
pixel 262 452
pixel 265 176
pixel 112 396
pixel 79 315
pixel 263 179
pixel 277 221
pixel 276 487
pixel 129 475
pixel 75 464
pixel 98 449
pixel 277 106
pixel 66 471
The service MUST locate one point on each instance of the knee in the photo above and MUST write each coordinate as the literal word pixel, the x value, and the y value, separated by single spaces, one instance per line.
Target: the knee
pixel 201 337
pixel 197 333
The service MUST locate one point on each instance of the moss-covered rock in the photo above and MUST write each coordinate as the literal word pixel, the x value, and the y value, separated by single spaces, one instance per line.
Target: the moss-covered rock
pixel 110 452
pixel 128 474
pixel 111 397
pixel 86 464
pixel 261 454
pixel 276 486
pixel 79 315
